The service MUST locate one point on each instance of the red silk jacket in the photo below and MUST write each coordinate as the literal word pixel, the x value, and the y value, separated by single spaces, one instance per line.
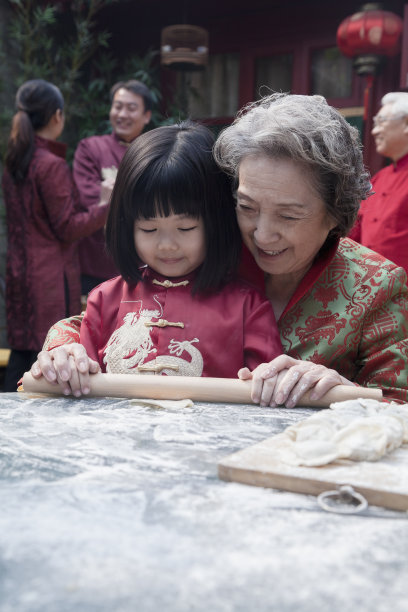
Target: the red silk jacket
pixel 382 223
pixel 158 326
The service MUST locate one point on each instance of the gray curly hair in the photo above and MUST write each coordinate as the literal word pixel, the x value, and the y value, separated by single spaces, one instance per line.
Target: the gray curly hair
pixel 306 130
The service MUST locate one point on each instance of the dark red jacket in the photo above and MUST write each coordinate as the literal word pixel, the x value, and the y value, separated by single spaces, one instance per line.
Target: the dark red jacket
pixel 95 155
pixel 44 219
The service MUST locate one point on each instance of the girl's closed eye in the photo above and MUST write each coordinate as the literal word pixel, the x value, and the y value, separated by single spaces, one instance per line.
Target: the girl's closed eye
pixel 188 229
pixel 147 226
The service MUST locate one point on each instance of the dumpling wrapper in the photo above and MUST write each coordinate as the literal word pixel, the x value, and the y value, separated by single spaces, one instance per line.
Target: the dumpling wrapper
pixel 360 430
pixel 369 439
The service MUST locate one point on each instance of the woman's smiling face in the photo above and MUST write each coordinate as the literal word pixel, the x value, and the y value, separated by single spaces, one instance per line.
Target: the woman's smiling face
pixel 282 218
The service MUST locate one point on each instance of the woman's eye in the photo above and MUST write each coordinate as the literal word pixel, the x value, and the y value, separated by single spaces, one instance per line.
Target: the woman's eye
pixel 244 208
pixel 187 229
pixel 147 231
pixel 287 218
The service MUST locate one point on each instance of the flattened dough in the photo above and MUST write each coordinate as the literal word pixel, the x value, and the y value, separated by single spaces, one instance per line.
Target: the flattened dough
pixel 360 430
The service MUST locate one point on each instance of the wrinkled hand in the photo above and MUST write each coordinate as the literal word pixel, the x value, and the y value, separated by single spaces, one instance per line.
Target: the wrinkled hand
pixel 67 366
pixel 106 190
pixel 284 380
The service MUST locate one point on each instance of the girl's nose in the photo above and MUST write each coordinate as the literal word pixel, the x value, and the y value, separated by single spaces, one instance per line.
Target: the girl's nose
pixel 167 242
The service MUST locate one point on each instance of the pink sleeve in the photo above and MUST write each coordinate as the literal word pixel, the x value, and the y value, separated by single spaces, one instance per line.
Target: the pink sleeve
pixel 261 335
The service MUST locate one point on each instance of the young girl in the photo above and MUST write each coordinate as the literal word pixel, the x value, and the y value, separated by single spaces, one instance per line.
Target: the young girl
pixel 176 309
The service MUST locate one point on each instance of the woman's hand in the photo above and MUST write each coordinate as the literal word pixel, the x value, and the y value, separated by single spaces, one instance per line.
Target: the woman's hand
pixel 284 380
pixel 67 366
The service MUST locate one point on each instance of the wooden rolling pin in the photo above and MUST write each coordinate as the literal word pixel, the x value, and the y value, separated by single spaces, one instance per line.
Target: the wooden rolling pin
pixel 225 390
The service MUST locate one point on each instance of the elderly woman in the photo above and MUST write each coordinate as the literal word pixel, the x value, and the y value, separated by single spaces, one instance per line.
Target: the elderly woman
pixel 341 308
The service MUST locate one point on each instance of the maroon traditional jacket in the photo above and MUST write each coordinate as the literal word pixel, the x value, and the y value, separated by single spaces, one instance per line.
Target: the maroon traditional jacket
pixel 44 219
pixel 93 157
pixel 158 326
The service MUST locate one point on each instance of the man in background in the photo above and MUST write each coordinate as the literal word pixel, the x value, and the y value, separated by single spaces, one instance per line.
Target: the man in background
pixel 96 159
pixel 382 224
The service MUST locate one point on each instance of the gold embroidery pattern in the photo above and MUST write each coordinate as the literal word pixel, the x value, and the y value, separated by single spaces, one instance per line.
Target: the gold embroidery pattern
pixel 164 323
pixel 168 283
pixel 157 368
pixel 131 344
pixel 173 364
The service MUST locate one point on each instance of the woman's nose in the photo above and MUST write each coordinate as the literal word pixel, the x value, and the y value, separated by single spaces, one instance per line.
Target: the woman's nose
pixel 265 235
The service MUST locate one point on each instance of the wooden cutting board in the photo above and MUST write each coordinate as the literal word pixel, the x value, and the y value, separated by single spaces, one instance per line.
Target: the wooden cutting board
pixel 382 483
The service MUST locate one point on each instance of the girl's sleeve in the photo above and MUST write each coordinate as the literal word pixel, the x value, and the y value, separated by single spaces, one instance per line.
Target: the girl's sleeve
pixel 383 349
pixel 61 203
pixel 261 335
pixel 91 327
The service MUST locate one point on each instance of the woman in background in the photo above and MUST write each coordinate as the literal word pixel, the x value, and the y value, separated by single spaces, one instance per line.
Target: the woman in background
pixel 43 222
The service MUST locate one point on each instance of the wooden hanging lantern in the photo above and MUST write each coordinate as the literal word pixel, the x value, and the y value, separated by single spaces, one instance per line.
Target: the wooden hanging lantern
pixel 184 47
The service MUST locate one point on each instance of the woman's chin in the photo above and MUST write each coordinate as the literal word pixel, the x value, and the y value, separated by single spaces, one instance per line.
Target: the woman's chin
pixel 270 261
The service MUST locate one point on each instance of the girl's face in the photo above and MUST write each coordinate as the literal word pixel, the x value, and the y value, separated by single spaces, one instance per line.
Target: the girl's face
pixel 171 246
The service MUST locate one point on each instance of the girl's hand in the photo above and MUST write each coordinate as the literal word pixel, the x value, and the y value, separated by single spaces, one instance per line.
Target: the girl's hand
pixel 284 380
pixel 67 366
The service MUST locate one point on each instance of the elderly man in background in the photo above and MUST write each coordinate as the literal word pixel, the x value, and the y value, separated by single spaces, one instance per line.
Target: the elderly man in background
pixel 97 159
pixel 383 218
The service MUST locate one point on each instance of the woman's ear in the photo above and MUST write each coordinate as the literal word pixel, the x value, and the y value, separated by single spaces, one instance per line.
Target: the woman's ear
pixel 58 119
pixel 59 115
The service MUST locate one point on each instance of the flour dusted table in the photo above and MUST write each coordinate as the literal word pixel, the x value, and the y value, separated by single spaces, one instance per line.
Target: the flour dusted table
pixel 109 506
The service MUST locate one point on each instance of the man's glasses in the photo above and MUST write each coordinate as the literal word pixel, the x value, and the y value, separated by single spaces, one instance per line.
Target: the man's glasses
pixel 380 119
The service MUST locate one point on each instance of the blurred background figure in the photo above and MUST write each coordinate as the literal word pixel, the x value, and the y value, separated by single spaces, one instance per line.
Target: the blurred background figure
pixel 96 159
pixel 382 223
pixel 44 219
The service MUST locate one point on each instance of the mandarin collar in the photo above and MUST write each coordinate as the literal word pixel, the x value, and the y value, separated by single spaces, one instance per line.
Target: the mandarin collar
pixel 321 262
pixel 150 275
pixel 54 146
pixel 122 143
pixel 401 163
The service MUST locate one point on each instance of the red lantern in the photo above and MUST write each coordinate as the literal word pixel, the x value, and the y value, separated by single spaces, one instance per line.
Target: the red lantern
pixel 368 36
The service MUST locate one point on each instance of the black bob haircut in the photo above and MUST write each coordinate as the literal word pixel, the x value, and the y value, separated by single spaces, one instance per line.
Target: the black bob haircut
pixel 171 170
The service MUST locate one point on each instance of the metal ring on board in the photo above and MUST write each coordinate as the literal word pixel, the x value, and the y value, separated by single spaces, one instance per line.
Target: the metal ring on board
pixel 345 500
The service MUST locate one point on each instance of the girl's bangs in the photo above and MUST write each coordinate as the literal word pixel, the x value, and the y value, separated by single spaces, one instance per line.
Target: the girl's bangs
pixel 161 198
